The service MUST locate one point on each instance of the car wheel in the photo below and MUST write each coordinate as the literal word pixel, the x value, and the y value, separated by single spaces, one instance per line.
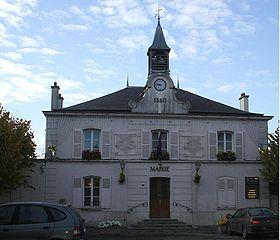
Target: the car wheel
pixel 245 234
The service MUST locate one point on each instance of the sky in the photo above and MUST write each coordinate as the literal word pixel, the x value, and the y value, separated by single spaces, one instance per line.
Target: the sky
pixel 220 48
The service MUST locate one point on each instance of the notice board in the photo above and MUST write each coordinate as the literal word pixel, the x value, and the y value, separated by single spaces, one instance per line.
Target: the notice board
pixel 252 186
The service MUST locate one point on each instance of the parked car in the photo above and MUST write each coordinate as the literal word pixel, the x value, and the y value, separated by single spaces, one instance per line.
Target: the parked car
pixel 254 220
pixel 37 220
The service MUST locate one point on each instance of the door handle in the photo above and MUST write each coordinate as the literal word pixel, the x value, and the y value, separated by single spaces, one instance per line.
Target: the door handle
pixel 46 227
pixel 6 230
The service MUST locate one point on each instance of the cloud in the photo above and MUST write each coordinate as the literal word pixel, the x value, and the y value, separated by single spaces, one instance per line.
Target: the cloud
pixel 11 55
pixel 43 51
pixel 94 10
pixel 221 60
pixel 26 41
pixel 134 42
pixel 13 13
pixel 75 27
pixel 97 70
pixel 226 88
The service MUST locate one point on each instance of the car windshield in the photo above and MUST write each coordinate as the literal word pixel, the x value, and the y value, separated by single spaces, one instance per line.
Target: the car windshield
pixel 261 212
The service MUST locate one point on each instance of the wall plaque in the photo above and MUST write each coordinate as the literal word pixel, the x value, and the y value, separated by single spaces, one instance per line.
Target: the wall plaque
pixel 159 168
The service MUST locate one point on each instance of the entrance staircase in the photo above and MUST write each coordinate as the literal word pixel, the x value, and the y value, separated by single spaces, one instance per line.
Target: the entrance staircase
pixel 159 226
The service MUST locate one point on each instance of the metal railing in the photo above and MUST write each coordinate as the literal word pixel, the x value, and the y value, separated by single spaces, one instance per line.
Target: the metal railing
pixel 176 204
pixel 144 204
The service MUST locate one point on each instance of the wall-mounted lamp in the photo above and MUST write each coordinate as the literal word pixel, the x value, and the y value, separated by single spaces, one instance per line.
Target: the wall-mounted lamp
pixel 122 165
pixel 122 174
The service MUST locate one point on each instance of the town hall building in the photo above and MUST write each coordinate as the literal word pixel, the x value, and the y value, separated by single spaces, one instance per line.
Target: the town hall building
pixel 155 151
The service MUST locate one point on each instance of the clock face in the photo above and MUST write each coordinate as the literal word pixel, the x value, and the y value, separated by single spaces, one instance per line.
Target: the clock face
pixel 160 84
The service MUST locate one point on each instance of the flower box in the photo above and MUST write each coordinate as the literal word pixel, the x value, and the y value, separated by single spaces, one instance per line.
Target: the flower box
pixel 163 155
pixel 226 156
pixel 91 155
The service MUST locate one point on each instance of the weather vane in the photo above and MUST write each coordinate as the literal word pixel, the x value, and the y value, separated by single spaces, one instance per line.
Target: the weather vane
pixel 158 13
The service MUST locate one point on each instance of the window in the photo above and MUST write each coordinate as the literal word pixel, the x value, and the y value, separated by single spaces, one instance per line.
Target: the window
pixel 57 214
pixel 159 139
pixel 92 191
pixel 225 141
pixel 92 139
pixel 6 214
pixel 226 192
pixel 32 214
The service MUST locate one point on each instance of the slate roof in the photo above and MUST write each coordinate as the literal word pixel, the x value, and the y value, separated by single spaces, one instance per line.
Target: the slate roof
pixel 159 40
pixel 118 102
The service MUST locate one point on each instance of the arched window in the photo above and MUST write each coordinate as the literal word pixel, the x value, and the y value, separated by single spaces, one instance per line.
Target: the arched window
pixel 159 139
pixel 92 191
pixel 225 141
pixel 91 139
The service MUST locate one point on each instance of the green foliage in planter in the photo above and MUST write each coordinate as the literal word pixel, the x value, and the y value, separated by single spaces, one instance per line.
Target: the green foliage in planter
pixel 226 156
pixel 197 178
pixel 122 178
pixel 163 156
pixel 91 155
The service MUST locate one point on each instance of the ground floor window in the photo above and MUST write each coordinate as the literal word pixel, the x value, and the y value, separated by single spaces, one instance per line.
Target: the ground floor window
pixel 226 191
pixel 92 191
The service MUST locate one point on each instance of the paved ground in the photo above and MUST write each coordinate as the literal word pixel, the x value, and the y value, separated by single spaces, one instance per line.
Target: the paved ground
pixel 200 233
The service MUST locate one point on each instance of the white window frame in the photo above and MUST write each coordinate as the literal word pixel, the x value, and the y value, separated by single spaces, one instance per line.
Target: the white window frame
pixel 91 140
pixel 159 131
pixel 91 191
pixel 225 141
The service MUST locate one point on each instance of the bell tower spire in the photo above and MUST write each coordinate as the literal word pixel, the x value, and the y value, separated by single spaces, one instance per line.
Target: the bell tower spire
pixel 158 52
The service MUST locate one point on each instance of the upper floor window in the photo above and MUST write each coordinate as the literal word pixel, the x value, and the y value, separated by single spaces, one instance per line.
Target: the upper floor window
pixel 159 140
pixel 92 139
pixel 225 141
pixel 92 191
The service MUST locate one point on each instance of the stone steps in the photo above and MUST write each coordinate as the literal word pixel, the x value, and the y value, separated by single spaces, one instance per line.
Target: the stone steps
pixel 160 225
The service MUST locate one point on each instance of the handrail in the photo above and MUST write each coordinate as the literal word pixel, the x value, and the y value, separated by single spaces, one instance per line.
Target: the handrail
pixel 176 204
pixel 143 204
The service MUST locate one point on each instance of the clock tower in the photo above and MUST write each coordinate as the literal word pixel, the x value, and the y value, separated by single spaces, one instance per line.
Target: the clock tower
pixel 158 53
pixel 159 94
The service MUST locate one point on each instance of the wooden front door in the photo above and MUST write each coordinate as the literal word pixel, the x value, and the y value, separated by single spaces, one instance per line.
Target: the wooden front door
pixel 159 197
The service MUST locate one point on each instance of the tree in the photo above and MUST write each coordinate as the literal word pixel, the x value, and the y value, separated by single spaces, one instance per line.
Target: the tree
pixel 270 160
pixel 17 151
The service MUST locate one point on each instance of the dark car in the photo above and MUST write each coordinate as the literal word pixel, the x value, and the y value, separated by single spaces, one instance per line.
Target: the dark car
pixel 44 221
pixel 254 220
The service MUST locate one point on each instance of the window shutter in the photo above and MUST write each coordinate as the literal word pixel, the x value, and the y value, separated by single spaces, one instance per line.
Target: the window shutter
pixel 221 193
pixel 77 200
pixel 212 143
pixel 145 142
pixel 174 145
pixel 230 193
pixel 106 142
pixel 77 146
pixel 239 145
pixel 105 186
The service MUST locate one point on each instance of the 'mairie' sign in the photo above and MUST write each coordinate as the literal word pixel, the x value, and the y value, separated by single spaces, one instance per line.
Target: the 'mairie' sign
pixel 159 168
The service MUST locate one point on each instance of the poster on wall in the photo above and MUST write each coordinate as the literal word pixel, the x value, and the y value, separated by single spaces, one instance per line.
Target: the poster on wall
pixel 252 186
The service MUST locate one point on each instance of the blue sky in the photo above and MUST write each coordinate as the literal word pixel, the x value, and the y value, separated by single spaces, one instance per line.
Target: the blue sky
pixel 220 48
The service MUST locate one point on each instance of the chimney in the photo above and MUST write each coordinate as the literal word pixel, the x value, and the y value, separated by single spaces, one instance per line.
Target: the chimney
pixel 60 101
pixel 244 102
pixel 55 95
